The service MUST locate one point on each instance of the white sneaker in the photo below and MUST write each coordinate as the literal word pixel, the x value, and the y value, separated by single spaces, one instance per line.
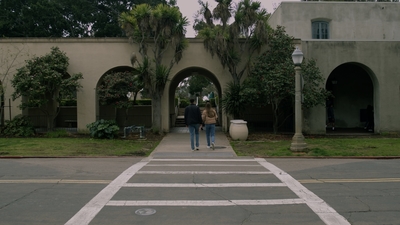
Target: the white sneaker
pixel 333 128
pixel 208 146
pixel 213 146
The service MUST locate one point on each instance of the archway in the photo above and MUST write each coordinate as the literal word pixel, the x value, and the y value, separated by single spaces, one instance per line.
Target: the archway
pixel 353 86
pixel 56 113
pixel 180 76
pixel 139 115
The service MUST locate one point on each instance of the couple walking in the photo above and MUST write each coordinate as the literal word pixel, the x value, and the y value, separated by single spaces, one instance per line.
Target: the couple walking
pixel 194 120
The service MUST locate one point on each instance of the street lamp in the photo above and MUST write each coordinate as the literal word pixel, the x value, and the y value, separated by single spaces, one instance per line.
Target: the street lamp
pixel 298 143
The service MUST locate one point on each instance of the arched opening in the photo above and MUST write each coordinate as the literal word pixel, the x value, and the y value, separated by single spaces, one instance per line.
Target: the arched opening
pixel 138 114
pixel 353 86
pixel 174 110
pixel 61 113
pixel 68 114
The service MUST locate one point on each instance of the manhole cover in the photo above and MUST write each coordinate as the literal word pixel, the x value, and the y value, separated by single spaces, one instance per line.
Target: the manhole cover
pixel 145 212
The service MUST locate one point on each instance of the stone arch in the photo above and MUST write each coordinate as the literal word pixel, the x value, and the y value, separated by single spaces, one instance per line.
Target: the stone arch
pixel 123 117
pixel 55 114
pixel 354 86
pixel 67 115
pixel 182 74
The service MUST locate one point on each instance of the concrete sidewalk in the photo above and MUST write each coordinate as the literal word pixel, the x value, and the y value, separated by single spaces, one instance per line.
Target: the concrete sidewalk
pixel 177 144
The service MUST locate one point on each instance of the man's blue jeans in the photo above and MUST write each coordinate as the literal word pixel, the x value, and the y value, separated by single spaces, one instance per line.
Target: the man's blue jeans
pixel 210 133
pixel 194 131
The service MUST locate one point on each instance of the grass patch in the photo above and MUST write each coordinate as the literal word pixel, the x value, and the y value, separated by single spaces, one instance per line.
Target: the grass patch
pixel 56 144
pixel 61 147
pixel 321 147
pixel 57 134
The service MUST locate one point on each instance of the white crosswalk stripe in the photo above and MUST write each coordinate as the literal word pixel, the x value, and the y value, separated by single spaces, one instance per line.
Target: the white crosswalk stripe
pixel 305 197
pixel 207 202
pixel 205 185
pixel 203 172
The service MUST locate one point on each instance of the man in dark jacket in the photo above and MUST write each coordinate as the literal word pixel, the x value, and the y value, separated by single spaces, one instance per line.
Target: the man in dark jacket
pixel 193 121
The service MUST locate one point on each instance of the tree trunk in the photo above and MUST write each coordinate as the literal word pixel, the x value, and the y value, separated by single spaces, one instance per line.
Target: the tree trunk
pixel 51 114
pixel 275 119
pixel 51 110
pixel 156 109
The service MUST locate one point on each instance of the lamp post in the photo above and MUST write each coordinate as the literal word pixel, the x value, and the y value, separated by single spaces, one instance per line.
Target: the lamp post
pixel 298 143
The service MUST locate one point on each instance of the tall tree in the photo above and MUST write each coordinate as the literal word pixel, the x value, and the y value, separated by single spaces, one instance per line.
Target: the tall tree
pixel 64 18
pixel 28 18
pixel 161 30
pixel 105 20
pixel 44 82
pixel 234 44
pixel 273 83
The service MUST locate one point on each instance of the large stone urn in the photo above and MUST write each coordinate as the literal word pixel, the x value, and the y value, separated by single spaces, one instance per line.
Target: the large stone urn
pixel 238 130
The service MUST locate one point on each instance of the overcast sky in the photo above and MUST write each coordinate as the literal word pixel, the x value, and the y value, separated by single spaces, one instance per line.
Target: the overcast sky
pixel 190 7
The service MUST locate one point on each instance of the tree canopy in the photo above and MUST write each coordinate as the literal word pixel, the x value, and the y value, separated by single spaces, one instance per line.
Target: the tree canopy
pixel 65 18
pixel 236 43
pixel 158 31
pixel 273 82
pixel 197 84
pixel 44 82
pixel 118 88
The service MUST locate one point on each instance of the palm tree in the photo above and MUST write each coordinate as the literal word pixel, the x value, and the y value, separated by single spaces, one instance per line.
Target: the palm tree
pixel 159 29
pixel 235 44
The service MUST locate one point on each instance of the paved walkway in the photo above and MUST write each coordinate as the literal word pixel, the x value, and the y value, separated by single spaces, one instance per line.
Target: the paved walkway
pixel 177 144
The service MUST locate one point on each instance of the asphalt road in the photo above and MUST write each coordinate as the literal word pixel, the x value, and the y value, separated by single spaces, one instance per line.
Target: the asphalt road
pixel 199 191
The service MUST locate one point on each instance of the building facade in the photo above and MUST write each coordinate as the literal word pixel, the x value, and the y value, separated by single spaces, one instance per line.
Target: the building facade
pixel 94 57
pixel 357 48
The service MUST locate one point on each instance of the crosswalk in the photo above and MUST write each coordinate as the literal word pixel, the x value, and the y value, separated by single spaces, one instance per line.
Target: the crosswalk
pixel 155 182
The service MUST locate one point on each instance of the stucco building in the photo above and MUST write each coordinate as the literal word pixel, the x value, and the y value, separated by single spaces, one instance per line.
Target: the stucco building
pixel 94 57
pixel 357 47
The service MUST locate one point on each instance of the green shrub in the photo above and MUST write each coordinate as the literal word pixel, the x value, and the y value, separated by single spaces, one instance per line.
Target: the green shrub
pixel 143 102
pixel 103 129
pixel 68 102
pixel 155 130
pixel 212 101
pixel 20 126
pixel 184 103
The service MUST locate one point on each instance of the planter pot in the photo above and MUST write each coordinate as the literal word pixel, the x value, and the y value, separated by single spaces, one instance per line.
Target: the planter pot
pixel 238 130
pixel 230 125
